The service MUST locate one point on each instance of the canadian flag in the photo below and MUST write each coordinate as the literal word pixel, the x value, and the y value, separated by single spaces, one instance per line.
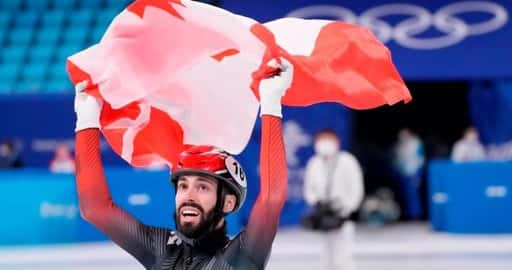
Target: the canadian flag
pixel 178 72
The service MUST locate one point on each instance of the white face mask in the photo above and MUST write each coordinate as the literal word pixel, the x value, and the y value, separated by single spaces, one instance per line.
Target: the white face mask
pixel 326 147
pixel 471 136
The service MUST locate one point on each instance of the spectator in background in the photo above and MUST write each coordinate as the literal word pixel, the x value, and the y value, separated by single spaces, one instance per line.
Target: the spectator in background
pixel 468 148
pixel 63 161
pixel 9 155
pixel 334 186
pixel 409 162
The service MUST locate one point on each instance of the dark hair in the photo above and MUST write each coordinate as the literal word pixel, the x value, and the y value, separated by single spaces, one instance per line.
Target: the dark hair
pixel 326 131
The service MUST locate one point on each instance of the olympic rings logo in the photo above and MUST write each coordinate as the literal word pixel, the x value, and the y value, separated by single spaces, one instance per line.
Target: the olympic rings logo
pixel 446 20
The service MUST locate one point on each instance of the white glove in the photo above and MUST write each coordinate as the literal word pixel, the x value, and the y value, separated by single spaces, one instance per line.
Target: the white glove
pixel 272 89
pixel 87 108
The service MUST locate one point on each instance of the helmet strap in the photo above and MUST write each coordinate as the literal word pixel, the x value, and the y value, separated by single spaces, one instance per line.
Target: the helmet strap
pixel 218 211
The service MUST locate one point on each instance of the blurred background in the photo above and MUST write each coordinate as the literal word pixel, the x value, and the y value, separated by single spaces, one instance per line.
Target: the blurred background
pixel 437 171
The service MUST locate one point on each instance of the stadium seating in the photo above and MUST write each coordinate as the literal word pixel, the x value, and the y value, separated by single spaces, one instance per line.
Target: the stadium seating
pixel 48 36
pixel 8 76
pixel 5 18
pixel 11 5
pixel 26 19
pixel 36 37
pixel 53 18
pixel 14 54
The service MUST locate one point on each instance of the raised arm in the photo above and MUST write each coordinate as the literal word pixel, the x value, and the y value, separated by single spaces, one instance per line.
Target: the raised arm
pixel 264 219
pixel 96 204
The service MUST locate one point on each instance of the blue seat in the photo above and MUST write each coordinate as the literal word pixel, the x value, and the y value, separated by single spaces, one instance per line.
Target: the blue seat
pixel 9 72
pixel 57 72
pixel 20 36
pixel 41 54
pixel 60 62
pixel 105 16
pixel 64 51
pixel 118 3
pixel 37 5
pixel 10 5
pixel 13 54
pixel 53 18
pixel 32 78
pixel 81 18
pixel 76 35
pixel 6 87
pixel 5 18
pixel 48 35
pixel 26 19
pixel 3 34
pixel 34 72
pixel 63 5
pixel 28 86
pixel 97 33
pixel 91 4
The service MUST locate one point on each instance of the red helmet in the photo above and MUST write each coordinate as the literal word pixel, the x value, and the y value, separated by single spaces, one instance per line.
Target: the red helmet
pixel 214 162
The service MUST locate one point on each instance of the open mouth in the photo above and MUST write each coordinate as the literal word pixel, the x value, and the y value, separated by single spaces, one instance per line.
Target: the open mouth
pixel 190 212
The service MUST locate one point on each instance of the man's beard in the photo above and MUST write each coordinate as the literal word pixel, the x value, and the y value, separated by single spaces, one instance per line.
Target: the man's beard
pixel 194 230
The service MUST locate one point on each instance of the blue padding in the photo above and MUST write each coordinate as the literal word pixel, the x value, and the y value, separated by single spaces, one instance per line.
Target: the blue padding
pixel 473 197
pixel 47 209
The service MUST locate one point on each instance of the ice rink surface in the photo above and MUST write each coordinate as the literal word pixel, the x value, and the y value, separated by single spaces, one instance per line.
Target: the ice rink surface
pixel 398 247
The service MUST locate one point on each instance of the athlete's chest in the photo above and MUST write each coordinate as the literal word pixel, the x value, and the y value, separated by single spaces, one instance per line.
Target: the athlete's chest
pixel 185 259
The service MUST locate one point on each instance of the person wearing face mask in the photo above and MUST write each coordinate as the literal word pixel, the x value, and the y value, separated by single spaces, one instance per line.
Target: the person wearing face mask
pixel 468 148
pixel 333 185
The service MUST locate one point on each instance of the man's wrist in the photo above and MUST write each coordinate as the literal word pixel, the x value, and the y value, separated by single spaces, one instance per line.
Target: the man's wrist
pixel 271 107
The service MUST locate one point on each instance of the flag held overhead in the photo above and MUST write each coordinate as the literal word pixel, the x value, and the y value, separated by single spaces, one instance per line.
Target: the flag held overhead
pixel 179 72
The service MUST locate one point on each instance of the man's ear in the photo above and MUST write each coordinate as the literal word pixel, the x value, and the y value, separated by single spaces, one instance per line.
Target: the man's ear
pixel 229 203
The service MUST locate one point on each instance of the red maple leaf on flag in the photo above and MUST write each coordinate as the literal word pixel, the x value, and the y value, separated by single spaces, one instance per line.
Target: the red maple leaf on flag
pixel 139 7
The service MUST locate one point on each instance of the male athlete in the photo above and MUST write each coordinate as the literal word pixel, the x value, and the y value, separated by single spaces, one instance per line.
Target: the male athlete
pixel 209 184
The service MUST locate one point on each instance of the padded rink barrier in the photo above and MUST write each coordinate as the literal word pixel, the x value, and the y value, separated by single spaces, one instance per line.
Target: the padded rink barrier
pixel 42 208
pixel 472 197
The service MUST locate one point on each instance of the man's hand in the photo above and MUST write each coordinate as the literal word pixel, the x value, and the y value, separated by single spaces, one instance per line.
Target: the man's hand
pixel 272 89
pixel 87 108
